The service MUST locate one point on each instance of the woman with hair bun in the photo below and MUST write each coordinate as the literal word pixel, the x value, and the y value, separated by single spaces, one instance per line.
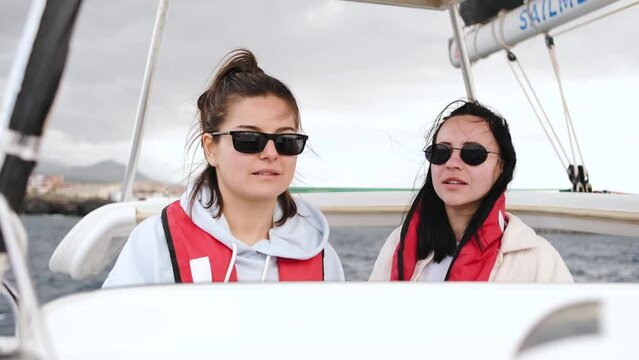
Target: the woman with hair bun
pixel 457 228
pixel 237 221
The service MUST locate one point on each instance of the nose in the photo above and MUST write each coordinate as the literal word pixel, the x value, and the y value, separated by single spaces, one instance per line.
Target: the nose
pixel 455 161
pixel 269 151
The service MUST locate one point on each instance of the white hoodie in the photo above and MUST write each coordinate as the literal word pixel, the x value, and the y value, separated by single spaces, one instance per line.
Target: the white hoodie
pixel 145 257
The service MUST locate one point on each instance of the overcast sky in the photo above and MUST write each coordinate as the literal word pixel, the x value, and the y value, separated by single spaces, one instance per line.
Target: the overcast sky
pixel 369 79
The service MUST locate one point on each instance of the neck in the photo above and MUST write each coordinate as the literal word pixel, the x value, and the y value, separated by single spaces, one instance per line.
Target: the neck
pixel 459 218
pixel 249 221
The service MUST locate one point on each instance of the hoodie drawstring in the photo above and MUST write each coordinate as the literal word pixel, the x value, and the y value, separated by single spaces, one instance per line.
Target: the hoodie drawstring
pixel 229 270
pixel 265 268
pixel 231 264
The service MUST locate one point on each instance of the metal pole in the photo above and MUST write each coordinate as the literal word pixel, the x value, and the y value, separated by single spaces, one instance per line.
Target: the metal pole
pixel 455 20
pixel 154 50
pixel 32 329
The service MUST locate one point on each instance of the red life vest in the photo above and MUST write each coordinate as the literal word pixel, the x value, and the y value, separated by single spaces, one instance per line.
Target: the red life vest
pixel 186 242
pixel 472 263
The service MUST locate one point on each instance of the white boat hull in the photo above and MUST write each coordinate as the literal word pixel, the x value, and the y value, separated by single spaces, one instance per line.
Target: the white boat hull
pixel 338 320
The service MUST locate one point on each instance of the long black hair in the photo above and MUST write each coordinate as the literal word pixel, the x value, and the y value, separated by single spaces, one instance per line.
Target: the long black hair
pixel 434 232
pixel 239 77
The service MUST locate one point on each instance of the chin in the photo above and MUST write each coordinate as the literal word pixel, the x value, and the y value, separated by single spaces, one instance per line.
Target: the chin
pixel 266 194
pixel 458 201
pixel 452 199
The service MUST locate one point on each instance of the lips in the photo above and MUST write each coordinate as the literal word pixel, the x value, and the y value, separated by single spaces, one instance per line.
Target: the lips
pixel 454 181
pixel 266 172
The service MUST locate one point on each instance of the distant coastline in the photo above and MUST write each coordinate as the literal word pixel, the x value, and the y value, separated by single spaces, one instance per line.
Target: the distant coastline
pixel 64 205
pixel 51 194
pixel 55 188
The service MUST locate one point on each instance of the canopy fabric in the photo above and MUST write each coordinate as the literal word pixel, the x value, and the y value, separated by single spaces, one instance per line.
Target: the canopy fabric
pixel 425 4
pixel 481 11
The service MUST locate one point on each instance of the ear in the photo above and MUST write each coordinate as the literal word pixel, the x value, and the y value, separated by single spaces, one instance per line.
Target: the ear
pixel 210 148
pixel 499 169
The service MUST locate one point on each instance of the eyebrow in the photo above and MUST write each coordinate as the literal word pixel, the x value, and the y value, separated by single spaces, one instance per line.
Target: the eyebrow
pixel 255 128
pixel 466 143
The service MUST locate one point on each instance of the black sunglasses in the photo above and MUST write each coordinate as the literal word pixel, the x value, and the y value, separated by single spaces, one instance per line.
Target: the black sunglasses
pixel 253 142
pixel 471 154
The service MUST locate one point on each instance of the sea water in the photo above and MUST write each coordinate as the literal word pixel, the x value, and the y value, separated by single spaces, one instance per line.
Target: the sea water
pixel 590 257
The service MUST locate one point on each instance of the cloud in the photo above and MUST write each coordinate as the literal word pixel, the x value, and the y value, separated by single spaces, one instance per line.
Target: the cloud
pixel 368 78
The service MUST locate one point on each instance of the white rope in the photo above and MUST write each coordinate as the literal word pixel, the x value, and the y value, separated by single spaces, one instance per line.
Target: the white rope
pixel 539 118
pixel 500 17
pixel 475 30
pixel 500 40
pixel 543 111
pixel 595 19
pixel 572 135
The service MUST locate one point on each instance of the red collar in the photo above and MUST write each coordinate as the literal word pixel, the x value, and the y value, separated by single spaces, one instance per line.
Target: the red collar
pixel 472 263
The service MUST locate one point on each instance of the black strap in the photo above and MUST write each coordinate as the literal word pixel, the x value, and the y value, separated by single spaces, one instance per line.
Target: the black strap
pixel 169 243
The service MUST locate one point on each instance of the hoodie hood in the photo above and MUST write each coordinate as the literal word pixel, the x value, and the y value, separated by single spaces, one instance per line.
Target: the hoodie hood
pixel 300 237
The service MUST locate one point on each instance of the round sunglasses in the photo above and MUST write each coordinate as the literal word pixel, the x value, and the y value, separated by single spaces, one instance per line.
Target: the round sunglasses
pixel 471 154
pixel 253 142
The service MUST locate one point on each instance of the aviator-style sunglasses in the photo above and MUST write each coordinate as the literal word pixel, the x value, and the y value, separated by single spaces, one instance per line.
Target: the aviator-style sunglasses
pixel 253 142
pixel 471 154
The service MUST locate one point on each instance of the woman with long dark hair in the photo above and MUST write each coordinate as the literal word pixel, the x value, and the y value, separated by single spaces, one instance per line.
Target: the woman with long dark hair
pixel 237 221
pixel 457 227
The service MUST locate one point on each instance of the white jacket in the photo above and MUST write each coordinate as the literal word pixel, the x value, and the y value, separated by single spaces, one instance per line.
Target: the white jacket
pixel 523 256
pixel 145 257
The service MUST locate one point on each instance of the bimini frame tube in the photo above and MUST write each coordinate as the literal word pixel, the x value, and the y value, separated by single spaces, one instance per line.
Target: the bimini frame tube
pixel 455 21
pixel 533 18
pixel 154 50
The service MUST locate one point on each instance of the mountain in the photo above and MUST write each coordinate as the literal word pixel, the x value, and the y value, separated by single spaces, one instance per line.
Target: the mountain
pixel 103 172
